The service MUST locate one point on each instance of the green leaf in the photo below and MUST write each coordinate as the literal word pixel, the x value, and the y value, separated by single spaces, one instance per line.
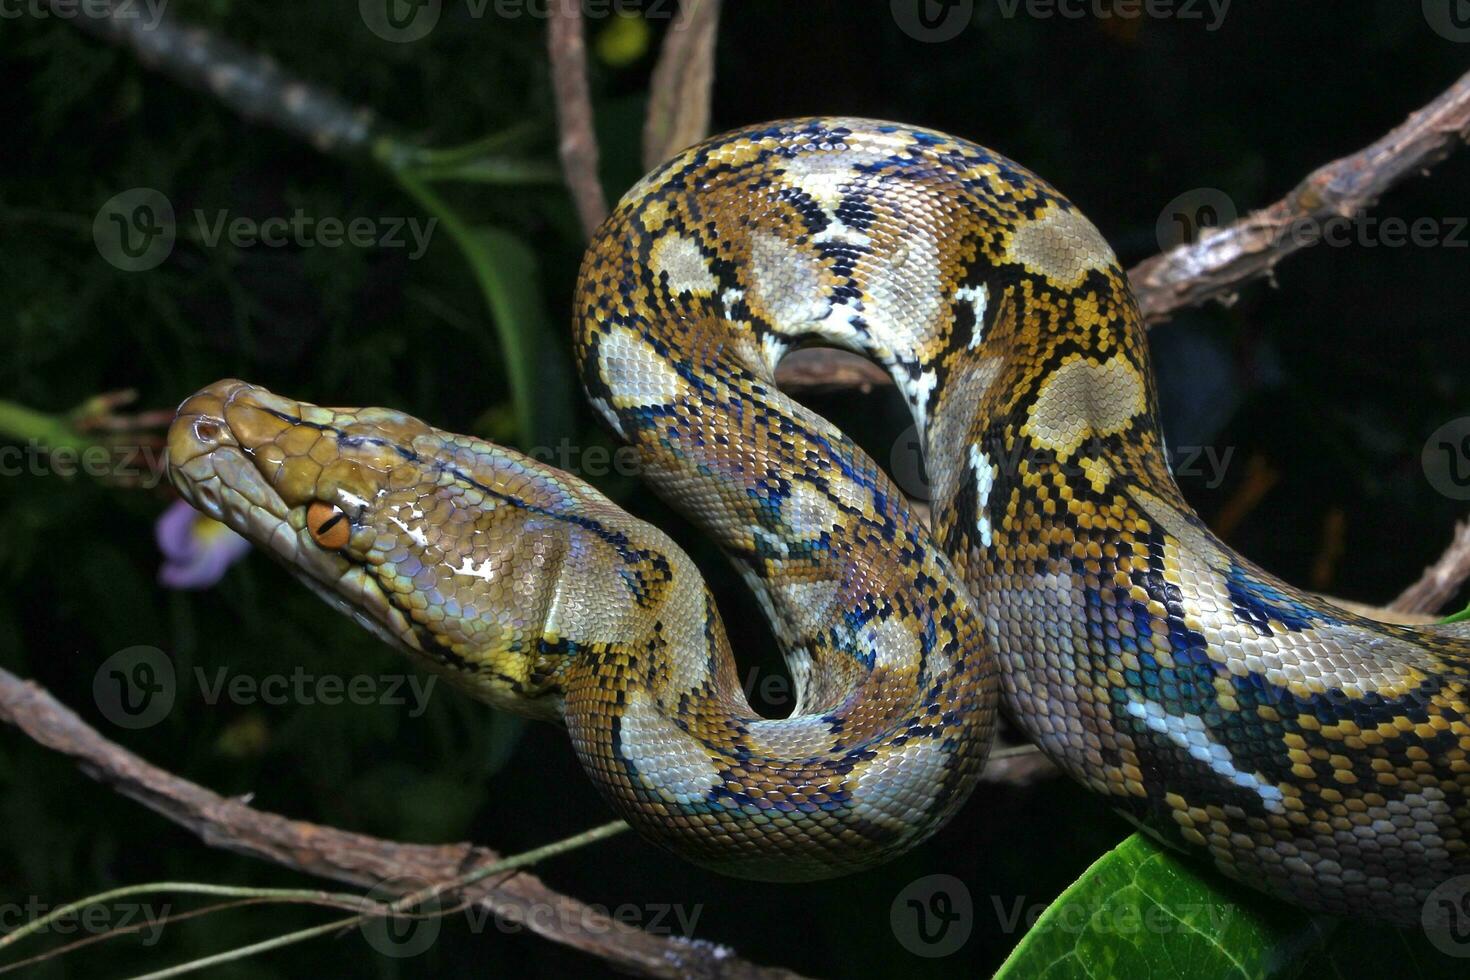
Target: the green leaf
pixel 1140 911
pixel 507 271
pixel 1459 617
pixel 1143 911
pixel 509 278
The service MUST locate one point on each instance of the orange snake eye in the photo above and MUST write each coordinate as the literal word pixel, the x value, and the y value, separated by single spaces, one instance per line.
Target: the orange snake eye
pixel 328 525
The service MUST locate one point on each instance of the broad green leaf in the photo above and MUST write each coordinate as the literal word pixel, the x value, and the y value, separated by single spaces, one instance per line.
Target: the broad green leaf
pixel 506 270
pixel 1142 911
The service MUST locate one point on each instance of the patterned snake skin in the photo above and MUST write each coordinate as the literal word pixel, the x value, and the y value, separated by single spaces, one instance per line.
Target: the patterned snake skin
pixel 1316 755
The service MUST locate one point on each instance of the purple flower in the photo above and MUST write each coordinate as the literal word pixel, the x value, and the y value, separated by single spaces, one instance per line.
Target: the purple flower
pixel 196 549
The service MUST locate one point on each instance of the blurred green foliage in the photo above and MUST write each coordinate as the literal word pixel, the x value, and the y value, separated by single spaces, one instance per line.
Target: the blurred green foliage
pixel 1334 381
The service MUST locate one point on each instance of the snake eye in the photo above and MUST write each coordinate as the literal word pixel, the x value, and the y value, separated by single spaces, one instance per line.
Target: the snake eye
pixel 328 525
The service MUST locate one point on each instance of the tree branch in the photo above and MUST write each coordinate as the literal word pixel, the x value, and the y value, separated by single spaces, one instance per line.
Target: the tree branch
pixel 251 84
pixel 357 858
pixel 578 143
pixel 679 91
pixel 1441 581
pixel 1226 258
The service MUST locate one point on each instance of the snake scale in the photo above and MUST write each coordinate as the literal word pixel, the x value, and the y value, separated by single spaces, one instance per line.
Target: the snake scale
pixel 1319 756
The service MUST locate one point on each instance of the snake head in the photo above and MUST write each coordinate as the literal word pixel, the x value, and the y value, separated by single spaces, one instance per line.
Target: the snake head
pixel 446 546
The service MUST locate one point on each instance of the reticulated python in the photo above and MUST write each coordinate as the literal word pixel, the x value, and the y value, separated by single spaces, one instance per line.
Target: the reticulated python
pixel 1319 756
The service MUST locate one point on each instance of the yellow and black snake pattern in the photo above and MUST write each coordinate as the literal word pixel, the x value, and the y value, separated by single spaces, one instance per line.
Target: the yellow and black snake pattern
pixel 1317 755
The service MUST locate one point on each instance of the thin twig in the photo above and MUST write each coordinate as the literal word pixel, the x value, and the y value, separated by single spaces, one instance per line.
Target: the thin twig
pixel 403 905
pixel 117 932
pixel 1441 581
pixel 679 91
pixel 336 899
pixel 242 952
pixel 389 866
pixel 578 142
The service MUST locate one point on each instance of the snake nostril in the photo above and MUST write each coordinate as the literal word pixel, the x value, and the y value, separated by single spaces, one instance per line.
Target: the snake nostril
pixel 207 498
pixel 206 430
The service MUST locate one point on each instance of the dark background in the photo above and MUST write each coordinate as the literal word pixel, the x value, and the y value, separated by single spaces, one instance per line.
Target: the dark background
pixel 1332 381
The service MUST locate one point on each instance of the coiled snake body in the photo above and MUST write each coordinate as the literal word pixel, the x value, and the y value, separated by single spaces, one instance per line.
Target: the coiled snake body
pixel 1314 754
